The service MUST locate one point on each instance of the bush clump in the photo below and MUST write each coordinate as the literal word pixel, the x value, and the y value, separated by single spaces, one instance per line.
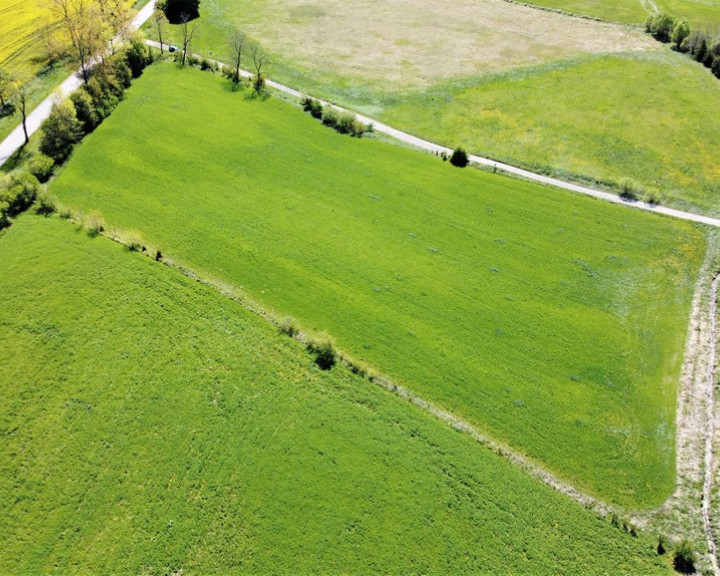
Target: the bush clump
pixel 289 326
pixel 41 167
pixel 684 559
pixel 324 350
pixel 628 189
pixel 95 224
pixel 45 203
pixel 18 191
pixel 459 158
pixel 60 132
pixel 313 107
pixel 136 57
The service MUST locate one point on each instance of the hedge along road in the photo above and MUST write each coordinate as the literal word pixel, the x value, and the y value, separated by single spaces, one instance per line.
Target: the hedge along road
pixel 16 138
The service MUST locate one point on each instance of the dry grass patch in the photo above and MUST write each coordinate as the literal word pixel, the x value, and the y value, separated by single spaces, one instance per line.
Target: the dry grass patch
pixel 417 42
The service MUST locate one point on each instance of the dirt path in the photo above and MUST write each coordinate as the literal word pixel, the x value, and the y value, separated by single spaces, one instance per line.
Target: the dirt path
pixel 649 6
pixel 710 431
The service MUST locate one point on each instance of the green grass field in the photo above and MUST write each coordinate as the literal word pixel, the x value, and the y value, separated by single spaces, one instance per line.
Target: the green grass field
pixel 531 312
pixel 664 139
pixel 700 13
pixel 152 426
pixel 647 114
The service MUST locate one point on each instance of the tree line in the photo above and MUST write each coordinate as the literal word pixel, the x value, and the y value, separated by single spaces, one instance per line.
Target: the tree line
pixel 703 47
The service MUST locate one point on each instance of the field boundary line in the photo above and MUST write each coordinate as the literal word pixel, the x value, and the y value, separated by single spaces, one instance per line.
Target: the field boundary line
pixel 481 160
pixel 525 463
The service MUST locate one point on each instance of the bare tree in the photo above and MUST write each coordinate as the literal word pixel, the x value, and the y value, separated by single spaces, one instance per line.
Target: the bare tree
pixel 19 98
pixel 237 43
pixel 83 24
pixel 160 21
pixel 188 32
pixel 259 59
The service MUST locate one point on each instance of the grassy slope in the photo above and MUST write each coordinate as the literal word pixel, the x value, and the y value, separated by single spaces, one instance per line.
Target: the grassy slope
pixel 150 425
pixel 647 116
pixel 527 310
pixel 629 12
pixel 700 13
pixel 664 138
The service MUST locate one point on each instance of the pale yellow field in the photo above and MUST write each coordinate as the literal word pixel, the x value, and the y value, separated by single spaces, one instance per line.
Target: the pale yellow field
pixel 415 43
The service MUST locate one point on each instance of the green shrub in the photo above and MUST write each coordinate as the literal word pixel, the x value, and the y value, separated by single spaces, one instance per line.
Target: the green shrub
pixel 85 110
pixel 41 167
pixel 628 189
pixel 95 224
pixel 45 203
pixel 662 545
pixel 134 241
pixel 136 57
pixel 324 350
pixel 18 190
pixel 288 326
pixel 329 117
pixel 459 158
pixel 192 60
pixel 680 33
pixel 60 132
pixel 314 107
pixel 684 559
pixel 661 26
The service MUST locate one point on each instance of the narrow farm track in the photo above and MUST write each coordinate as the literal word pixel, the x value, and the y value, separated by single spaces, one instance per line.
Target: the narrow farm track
pixel 710 432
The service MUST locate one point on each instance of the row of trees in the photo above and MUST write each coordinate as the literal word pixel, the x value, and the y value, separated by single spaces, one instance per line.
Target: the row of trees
pixel 90 27
pixel 701 46
pixel 88 106
pixel 66 125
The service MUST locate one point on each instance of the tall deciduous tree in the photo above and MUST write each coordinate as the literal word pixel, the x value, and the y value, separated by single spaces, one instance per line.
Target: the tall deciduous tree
pixel 259 59
pixel 60 131
pixel 176 9
pixel 237 44
pixel 19 98
pixel 82 22
pixel 188 31
pixel 159 19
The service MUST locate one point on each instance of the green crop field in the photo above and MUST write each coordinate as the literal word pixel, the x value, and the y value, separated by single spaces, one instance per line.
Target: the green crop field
pixel 664 139
pixel 613 107
pixel 700 13
pixel 531 312
pixel 152 426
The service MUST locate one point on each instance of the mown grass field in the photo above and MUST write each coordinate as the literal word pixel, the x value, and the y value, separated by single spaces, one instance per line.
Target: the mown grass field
pixel 531 312
pixel 660 129
pixel 701 13
pixel 152 426
pixel 646 114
